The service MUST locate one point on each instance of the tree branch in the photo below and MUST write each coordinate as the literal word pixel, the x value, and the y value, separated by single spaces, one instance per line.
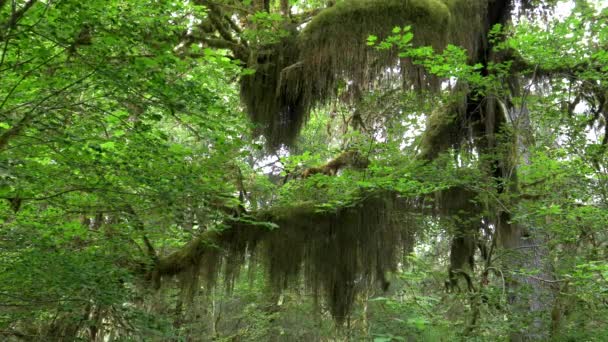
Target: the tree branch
pixel 139 225
pixel 15 130
pixel 16 15
pixel 240 52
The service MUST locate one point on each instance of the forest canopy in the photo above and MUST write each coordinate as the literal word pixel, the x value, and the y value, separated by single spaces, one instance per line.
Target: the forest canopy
pixel 303 170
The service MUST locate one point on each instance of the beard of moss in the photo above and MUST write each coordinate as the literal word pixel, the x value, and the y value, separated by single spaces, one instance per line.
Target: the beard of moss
pixel 277 116
pixel 313 66
pixel 337 254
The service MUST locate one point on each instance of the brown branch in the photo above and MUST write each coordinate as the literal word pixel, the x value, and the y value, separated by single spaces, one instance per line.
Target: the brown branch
pixel 233 25
pixel 240 52
pixel 216 15
pixel 219 23
pixel 350 158
pixel 139 225
pixel 17 15
pixel 15 130
pixel 221 29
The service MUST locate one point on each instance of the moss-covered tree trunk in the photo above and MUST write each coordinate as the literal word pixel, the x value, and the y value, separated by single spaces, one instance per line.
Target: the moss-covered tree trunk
pixel 528 297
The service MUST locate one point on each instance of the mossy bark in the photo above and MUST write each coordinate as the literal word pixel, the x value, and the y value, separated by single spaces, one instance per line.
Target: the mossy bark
pixel 484 119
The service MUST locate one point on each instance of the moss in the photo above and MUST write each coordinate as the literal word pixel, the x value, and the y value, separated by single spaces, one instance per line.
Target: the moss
pixel 338 254
pixel 309 68
pixel 285 212
pixel 277 116
pixel 334 47
pixel 467 24
pixel 358 17
pixel 444 130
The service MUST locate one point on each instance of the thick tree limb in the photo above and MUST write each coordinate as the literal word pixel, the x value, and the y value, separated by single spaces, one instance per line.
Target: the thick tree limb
pixel 217 18
pixel 221 29
pixel 188 255
pixel 353 244
pixel 239 50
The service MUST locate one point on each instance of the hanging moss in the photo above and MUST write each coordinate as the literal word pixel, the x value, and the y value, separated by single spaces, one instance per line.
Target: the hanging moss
pixel 334 45
pixel 330 56
pixel 467 27
pixel 278 118
pixel 335 58
pixel 338 254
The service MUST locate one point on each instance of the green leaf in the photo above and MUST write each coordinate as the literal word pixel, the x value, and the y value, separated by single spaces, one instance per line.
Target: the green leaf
pixel 109 146
pixel 371 40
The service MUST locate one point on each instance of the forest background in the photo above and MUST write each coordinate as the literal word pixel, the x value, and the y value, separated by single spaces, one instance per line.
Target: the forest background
pixel 303 170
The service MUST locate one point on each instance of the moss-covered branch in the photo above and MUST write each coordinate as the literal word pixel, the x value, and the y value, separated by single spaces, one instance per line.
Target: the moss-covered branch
pixel 308 66
pixel 337 253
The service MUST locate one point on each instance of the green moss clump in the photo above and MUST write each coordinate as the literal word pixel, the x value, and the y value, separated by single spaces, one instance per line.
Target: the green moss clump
pixel 333 46
pixel 444 130
pixel 330 58
pixel 278 116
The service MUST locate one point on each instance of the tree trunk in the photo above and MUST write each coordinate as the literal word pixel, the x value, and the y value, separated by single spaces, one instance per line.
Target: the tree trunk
pixel 526 249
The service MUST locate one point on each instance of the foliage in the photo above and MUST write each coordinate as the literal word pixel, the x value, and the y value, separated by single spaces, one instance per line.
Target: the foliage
pixel 137 202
